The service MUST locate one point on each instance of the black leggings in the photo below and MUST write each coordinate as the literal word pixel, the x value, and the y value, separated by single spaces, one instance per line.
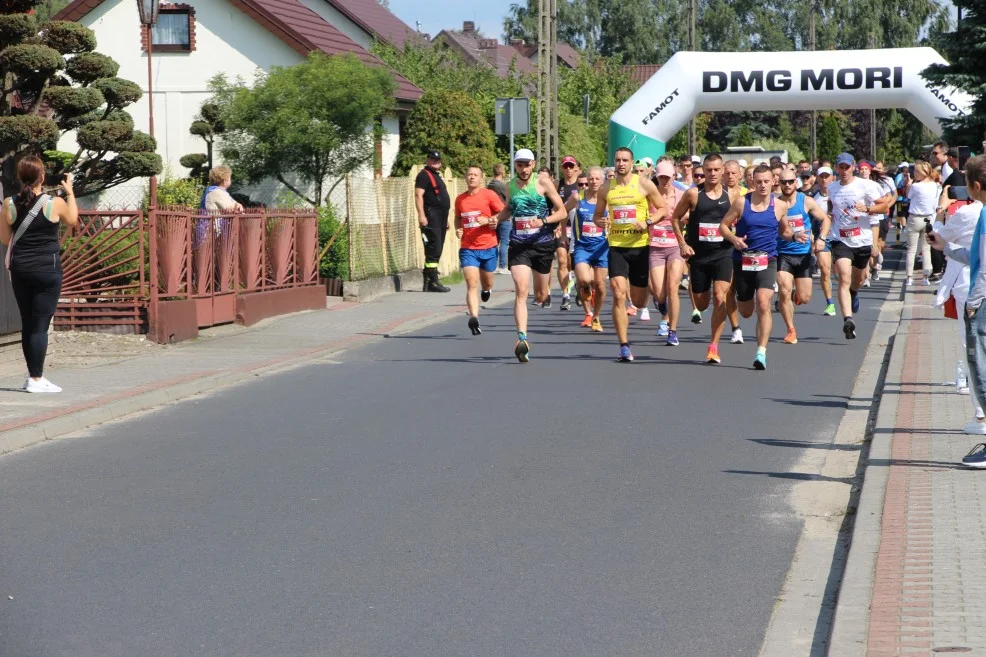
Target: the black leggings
pixel 37 296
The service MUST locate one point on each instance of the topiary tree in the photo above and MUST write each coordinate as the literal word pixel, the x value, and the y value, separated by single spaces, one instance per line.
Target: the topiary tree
pixel 208 124
pixel 454 124
pixel 51 82
pixel 830 142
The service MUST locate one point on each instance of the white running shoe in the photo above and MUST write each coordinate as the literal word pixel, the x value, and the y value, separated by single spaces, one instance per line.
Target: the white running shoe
pixel 975 428
pixel 909 282
pixel 41 385
pixel 876 273
pixel 737 337
pixel 644 314
pixel 925 281
pixel 866 283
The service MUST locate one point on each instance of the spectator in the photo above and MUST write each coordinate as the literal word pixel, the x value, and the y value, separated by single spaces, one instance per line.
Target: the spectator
pixel 923 196
pixel 215 198
pixel 499 187
pixel 432 202
pixel 939 158
pixel 29 227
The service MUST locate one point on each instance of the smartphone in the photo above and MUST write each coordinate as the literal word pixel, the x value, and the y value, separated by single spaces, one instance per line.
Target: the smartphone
pixel 958 193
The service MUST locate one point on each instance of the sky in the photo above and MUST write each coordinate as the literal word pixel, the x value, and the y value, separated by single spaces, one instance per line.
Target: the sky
pixel 438 15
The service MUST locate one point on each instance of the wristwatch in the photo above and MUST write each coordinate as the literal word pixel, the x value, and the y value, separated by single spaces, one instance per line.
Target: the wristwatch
pixel 649 221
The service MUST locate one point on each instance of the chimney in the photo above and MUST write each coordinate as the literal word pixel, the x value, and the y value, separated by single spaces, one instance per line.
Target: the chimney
pixel 488 44
pixel 468 27
pixel 516 43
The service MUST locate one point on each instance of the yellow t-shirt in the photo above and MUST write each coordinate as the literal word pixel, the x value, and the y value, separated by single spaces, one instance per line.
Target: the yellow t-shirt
pixel 627 205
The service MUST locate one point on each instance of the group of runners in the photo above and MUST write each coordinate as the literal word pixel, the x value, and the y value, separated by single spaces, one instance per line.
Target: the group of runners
pixel 740 236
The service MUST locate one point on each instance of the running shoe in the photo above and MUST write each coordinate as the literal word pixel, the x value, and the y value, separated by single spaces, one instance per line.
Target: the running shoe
pixel 578 300
pixel 934 278
pixel 696 317
pixel 534 301
pixel 631 310
pixel 663 329
pixel 712 355
pixel 568 285
pixel 547 302
pixel 849 328
pixel 485 295
pixel 662 308
pixel 737 336
pixel 866 283
pixel 522 351
pixel 645 314
pixel 597 326
pixel 566 303
pixel 908 282
pixel 672 338
pixel 977 457
pixel 876 273
pixel 42 385
pixel 760 361
pixel 474 326
pixel 684 283
pixel 925 281
pixel 791 337
pixel 855 304
pixel 503 271
pixel 587 322
pixel 829 310
pixel 625 355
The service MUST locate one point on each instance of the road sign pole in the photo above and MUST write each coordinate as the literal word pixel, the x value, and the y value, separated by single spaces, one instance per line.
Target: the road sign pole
pixel 510 111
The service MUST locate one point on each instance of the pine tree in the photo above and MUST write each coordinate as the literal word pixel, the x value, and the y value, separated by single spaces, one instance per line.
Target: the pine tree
pixel 966 70
pixel 830 142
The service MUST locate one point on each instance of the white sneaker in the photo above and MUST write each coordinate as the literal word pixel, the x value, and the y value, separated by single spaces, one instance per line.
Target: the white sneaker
pixel 41 385
pixel 737 337
pixel 909 282
pixel 26 381
pixel 876 273
pixel 975 428
pixel 866 283
pixel 644 314
pixel 503 270
pixel 925 281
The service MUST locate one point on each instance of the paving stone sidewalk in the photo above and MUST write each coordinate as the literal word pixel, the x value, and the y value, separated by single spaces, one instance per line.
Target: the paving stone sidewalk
pixel 97 394
pixel 915 581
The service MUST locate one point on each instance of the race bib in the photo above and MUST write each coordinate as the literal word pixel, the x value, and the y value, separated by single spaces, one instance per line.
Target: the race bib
pixel 522 226
pixel 568 231
pixel 590 229
pixel 709 233
pixel 469 219
pixel 625 214
pixel 796 222
pixel 662 236
pixel 756 261
pixel 850 232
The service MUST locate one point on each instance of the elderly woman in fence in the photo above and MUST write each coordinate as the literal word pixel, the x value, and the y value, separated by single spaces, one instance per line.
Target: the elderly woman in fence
pixel 215 203
pixel 29 227
pixel 216 199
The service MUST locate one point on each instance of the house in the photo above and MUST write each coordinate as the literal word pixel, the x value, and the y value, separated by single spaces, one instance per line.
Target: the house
pixel 192 43
pixel 640 73
pixel 568 56
pixel 476 49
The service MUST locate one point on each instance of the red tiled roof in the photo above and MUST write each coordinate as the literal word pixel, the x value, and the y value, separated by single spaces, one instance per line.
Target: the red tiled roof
pixel 292 22
pixel 376 19
pixel 566 53
pixel 641 73
pixel 468 45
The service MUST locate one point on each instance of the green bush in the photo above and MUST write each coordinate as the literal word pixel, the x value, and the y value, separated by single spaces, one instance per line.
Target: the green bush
pixel 178 191
pixel 335 262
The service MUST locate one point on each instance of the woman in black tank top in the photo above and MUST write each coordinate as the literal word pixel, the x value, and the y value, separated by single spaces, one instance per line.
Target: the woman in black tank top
pixel 30 220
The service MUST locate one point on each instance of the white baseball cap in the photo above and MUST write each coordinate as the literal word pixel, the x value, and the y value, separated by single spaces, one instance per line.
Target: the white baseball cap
pixel 649 162
pixel 742 163
pixel 823 170
pixel 524 154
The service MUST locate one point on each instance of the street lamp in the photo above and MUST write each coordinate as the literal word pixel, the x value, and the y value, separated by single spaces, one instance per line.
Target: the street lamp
pixel 148 10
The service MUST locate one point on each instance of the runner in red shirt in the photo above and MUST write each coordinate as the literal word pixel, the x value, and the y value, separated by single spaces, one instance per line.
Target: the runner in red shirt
pixel 475 224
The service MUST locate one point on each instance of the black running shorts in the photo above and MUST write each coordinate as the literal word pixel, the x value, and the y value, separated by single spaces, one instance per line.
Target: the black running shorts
pixel 860 255
pixel 702 274
pixel 630 263
pixel 536 256
pixel 748 282
pixel 798 266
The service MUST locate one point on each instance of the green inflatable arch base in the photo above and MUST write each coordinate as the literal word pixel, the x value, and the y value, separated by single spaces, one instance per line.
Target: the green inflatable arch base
pixel 641 145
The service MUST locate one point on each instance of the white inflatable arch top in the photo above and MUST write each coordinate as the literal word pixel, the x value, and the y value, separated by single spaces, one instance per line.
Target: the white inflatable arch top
pixel 693 82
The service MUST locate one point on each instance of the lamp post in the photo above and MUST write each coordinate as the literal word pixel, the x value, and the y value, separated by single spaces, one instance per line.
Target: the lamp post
pixel 148 10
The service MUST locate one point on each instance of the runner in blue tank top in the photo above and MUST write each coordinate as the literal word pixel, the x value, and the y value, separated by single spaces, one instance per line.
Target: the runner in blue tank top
pixel 794 258
pixel 591 250
pixel 759 219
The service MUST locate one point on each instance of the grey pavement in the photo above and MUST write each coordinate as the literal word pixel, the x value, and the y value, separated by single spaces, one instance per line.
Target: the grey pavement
pixel 425 494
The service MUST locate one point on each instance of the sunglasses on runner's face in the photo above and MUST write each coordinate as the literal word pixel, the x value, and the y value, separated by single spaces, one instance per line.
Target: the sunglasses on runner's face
pixel 788 181
pixel 699 176
pixel 583 184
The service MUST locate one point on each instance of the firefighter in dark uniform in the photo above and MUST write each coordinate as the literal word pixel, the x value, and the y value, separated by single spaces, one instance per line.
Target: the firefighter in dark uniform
pixel 432 201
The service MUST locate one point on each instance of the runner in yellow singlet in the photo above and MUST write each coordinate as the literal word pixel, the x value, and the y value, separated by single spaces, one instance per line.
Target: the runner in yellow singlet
pixel 628 197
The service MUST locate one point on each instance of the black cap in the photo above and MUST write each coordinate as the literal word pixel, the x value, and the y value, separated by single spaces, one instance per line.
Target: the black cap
pixel 434 155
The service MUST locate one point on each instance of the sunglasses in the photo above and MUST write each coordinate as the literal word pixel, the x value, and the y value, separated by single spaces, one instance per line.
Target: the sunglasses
pixel 789 181
pixel 700 175
pixel 687 165
pixel 565 166
pixel 585 184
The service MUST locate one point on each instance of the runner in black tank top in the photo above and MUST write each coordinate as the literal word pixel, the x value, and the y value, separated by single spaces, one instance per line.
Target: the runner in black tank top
pixel 703 228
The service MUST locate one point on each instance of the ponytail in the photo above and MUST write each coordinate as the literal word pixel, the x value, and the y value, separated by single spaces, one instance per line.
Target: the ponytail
pixel 30 172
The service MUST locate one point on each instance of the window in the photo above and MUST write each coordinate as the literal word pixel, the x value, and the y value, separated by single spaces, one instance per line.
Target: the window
pixel 174 31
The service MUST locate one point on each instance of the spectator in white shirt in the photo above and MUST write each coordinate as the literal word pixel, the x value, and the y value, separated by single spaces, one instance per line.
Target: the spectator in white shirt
pixel 923 195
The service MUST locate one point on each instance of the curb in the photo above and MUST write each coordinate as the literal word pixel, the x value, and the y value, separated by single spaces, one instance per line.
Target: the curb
pixel 101 411
pixel 374 288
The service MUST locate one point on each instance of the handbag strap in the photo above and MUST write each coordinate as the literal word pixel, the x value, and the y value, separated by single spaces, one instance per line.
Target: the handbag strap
pixel 25 224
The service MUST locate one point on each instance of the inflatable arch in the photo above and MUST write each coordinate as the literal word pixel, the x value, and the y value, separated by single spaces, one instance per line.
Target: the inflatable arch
pixel 693 82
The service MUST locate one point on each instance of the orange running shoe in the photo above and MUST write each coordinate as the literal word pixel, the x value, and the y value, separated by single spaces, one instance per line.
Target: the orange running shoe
pixel 791 337
pixel 587 322
pixel 712 355
pixel 597 326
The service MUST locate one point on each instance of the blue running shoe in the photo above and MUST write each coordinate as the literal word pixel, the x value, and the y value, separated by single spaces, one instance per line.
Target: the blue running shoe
pixel 625 355
pixel 977 457
pixel 663 329
pixel 672 338
pixel 855 305
pixel 760 362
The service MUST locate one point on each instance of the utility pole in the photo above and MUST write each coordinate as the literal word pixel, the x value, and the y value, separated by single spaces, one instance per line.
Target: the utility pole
pixel 692 11
pixel 814 113
pixel 539 102
pixel 547 128
pixel 555 153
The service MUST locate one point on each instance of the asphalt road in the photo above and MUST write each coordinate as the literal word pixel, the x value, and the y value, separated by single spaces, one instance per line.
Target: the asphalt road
pixel 429 496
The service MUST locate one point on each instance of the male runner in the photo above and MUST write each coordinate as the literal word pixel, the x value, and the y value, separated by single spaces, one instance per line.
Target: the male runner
pixel 627 197
pixel 775 171
pixel 794 257
pixel 532 238
pixel 475 226
pixel 591 251
pixel 567 189
pixel 760 220
pixel 732 177
pixel 853 200
pixel 707 252
pixel 685 179
pixel 824 256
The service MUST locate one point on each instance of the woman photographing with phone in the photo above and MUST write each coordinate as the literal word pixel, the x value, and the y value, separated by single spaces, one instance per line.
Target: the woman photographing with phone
pixel 29 223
